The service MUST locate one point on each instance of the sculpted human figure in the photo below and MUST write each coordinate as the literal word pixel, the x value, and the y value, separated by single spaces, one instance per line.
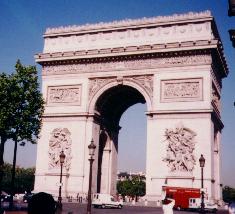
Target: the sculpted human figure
pixel 59 141
pixel 180 149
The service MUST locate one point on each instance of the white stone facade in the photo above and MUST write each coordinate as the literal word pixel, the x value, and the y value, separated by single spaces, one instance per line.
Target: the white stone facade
pixel 91 74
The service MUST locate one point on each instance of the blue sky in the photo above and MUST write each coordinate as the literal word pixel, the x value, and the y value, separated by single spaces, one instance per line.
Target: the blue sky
pixel 23 23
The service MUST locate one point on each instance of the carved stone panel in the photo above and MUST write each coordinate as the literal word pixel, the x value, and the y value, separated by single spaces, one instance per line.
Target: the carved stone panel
pixel 60 141
pixel 181 90
pixel 180 148
pixel 70 94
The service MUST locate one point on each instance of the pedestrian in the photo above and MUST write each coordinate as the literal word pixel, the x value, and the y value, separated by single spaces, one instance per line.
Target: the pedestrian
pixel 167 205
pixel 231 208
pixel 42 203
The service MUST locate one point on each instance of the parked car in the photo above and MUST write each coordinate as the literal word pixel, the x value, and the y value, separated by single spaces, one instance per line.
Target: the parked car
pixel 106 201
pixel 195 204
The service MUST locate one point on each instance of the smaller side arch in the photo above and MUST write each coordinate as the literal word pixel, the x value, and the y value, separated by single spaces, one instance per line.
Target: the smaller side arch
pixel 93 99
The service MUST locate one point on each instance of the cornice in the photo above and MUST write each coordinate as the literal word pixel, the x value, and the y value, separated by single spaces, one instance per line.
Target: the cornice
pixel 128 23
pixel 162 49
pixel 144 51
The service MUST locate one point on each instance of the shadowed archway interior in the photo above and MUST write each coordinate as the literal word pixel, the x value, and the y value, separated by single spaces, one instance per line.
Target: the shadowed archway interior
pixel 115 101
pixel 110 106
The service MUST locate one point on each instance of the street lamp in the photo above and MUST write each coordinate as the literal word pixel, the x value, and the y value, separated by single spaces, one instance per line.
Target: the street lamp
pixel 202 164
pixel 62 158
pixel 91 148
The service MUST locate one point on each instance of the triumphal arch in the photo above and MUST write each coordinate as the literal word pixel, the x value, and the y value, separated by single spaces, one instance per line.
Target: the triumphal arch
pixel 92 73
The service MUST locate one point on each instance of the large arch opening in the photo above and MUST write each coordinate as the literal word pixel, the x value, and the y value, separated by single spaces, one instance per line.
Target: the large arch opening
pixel 132 140
pixel 110 107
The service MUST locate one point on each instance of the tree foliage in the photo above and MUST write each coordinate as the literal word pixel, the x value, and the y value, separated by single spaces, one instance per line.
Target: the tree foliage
pixel 228 194
pixel 21 109
pixel 133 187
pixel 24 180
pixel 21 105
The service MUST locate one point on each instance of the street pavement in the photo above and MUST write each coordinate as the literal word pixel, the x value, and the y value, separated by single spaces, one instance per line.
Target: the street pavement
pixel 75 208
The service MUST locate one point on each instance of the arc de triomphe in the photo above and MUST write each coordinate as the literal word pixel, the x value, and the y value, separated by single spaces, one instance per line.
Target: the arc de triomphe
pixel 92 73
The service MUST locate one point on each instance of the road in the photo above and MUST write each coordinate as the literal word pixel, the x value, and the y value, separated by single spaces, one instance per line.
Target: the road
pixel 76 208
pixel 72 208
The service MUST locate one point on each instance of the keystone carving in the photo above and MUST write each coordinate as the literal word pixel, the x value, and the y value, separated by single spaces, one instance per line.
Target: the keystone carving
pixel 180 147
pixel 60 140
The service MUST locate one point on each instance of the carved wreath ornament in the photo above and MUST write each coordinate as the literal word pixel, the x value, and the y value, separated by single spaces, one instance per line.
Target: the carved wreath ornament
pixel 60 140
pixel 180 149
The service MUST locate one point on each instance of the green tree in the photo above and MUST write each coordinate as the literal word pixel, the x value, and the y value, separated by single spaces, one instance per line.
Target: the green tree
pixel 21 110
pixel 6 116
pixel 133 187
pixel 24 180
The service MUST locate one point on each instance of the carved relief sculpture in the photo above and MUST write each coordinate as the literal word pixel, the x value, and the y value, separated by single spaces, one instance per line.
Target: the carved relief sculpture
pixel 181 90
pixel 60 140
pixel 180 149
pixel 64 94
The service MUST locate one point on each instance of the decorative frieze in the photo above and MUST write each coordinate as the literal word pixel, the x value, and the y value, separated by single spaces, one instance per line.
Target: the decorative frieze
pixel 180 147
pixel 144 81
pixel 181 90
pixel 129 64
pixel 70 94
pixel 60 140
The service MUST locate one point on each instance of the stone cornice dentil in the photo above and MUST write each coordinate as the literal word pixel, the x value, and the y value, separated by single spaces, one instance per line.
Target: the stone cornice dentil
pixel 128 23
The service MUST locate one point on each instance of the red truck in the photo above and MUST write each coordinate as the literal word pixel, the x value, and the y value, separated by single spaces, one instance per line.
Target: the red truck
pixel 181 195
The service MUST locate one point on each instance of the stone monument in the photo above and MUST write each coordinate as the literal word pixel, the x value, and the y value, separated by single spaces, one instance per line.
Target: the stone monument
pixel 92 73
